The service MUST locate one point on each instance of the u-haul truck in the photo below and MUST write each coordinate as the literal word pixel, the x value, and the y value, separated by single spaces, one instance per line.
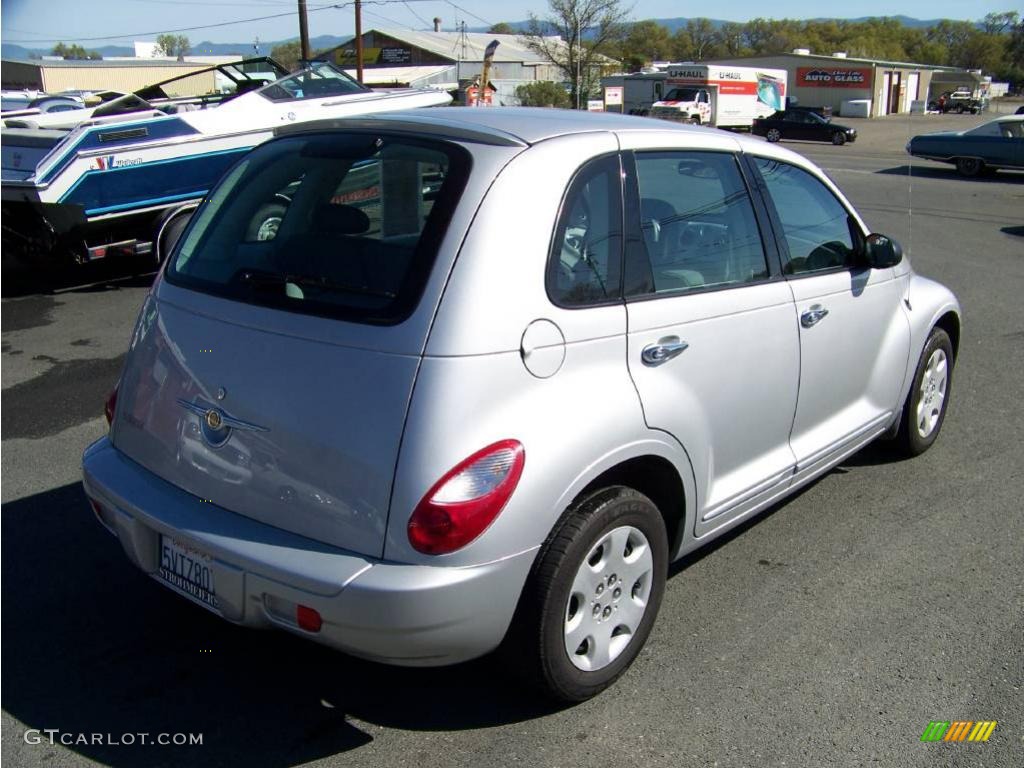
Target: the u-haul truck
pixel 722 96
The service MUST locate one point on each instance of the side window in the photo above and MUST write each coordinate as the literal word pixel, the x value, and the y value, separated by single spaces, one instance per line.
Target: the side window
pixel 697 221
pixel 817 228
pixel 585 264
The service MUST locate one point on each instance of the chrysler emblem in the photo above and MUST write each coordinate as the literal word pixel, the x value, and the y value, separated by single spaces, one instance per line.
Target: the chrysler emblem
pixel 215 425
pixel 213 419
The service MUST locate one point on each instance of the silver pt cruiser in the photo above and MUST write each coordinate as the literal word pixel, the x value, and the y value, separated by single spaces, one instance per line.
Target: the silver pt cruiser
pixel 424 385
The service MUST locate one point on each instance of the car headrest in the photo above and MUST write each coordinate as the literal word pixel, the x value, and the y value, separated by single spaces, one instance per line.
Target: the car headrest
pixel 340 220
pixel 653 208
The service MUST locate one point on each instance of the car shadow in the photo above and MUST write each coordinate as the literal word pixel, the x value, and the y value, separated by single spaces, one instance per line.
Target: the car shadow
pixel 1016 231
pixel 949 172
pixel 91 646
pixel 20 279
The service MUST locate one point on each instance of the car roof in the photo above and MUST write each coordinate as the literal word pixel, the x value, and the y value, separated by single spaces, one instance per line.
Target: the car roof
pixel 523 126
pixel 497 125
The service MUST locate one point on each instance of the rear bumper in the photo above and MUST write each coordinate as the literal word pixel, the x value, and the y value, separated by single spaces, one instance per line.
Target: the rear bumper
pixel 413 615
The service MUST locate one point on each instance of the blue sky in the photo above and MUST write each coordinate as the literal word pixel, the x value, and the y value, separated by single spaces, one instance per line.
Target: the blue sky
pixel 120 21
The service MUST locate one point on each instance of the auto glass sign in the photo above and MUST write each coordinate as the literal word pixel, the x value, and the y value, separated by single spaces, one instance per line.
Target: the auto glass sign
pixel 831 77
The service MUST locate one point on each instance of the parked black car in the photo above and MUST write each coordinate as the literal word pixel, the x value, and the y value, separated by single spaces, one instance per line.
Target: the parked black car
pixel 802 124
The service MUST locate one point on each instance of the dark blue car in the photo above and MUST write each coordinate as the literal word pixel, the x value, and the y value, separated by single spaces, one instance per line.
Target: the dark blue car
pixel 990 146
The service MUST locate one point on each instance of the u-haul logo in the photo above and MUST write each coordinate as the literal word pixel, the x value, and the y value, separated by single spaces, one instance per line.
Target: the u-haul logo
pixel 113 161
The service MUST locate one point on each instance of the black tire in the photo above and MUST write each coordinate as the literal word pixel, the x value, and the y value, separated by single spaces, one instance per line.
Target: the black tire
pixel 773 135
pixel 839 138
pixel 536 641
pixel 909 439
pixel 264 223
pixel 695 120
pixel 170 234
pixel 969 166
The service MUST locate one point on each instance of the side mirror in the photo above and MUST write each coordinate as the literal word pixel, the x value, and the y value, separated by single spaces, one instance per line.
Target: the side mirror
pixel 881 252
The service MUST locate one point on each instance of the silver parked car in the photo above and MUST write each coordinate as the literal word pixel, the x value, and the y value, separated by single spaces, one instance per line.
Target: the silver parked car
pixel 492 370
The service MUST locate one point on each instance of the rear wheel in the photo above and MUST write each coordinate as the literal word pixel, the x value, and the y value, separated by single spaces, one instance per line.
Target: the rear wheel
pixel 695 119
pixel 925 407
pixel 773 135
pixel 839 138
pixel 593 595
pixel 170 233
pixel 969 166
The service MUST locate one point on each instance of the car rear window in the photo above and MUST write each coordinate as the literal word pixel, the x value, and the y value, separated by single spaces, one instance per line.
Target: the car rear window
pixel 344 225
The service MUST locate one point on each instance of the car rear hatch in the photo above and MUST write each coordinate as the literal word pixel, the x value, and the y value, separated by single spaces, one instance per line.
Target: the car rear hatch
pixel 271 371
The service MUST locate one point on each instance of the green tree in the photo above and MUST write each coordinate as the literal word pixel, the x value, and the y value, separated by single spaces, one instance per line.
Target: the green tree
pixel 695 41
pixel 501 28
pixel 73 52
pixel 998 23
pixel 580 61
pixel 287 54
pixel 543 93
pixel 729 39
pixel 644 42
pixel 173 46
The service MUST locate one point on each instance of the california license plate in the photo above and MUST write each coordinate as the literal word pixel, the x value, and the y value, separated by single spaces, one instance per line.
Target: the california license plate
pixel 187 570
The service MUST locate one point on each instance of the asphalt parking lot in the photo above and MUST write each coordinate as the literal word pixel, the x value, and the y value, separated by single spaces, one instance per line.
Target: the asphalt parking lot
pixel 827 632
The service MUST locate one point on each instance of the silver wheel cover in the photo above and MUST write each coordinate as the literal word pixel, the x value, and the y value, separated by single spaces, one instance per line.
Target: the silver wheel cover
pixel 609 598
pixel 932 394
pixel 268 229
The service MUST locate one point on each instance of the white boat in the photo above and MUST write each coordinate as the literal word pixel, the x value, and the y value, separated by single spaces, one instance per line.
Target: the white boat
pixel 107 182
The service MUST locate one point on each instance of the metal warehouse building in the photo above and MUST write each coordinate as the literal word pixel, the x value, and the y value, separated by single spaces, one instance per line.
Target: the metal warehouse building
pixel 445 59
pixel 820 81
pixel 102 75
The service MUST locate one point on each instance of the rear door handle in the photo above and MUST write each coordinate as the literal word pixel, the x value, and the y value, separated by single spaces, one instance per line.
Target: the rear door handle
pixel 811 316
pixel 663 351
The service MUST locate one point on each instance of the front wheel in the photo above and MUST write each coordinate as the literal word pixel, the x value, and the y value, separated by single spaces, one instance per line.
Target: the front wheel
pixel 773 135
pixel 969 166
pixel 593 595
pixel 264 224
pixel 839 138
pixel 925 407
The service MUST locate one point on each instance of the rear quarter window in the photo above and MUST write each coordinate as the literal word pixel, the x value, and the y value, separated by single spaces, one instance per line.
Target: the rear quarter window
pixel 344 225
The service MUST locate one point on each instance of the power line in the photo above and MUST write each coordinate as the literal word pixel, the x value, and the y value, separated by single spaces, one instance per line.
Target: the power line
pixel 423 21
pixel 332 6
pixel 164 31
pixel 385 18
pixel 469 13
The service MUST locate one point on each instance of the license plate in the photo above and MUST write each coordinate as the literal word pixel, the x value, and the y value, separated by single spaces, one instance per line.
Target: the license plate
pixel 187 570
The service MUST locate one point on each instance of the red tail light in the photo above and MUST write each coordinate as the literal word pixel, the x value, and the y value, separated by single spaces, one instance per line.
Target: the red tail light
pixel 464 502
pixel 110 407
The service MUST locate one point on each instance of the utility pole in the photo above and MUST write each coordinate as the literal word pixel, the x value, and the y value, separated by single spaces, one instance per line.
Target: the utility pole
pixel 303 32
pixel 579 51
pixel 359 40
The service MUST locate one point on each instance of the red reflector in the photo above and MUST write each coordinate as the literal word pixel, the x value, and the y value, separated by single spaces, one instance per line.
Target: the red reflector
pixel 110 407
pixel 308 618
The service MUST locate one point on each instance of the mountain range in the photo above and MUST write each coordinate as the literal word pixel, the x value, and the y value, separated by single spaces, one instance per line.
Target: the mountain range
pixel 321 42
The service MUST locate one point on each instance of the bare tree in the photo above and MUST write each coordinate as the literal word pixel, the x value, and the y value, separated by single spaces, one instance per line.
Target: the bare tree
pixel 576 36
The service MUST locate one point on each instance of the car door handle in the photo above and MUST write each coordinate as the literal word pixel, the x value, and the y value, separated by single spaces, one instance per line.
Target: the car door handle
pixel 813 315
pixel 663 351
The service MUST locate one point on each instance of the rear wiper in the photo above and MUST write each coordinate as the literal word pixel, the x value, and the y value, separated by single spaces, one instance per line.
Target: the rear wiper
pixel 262 279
